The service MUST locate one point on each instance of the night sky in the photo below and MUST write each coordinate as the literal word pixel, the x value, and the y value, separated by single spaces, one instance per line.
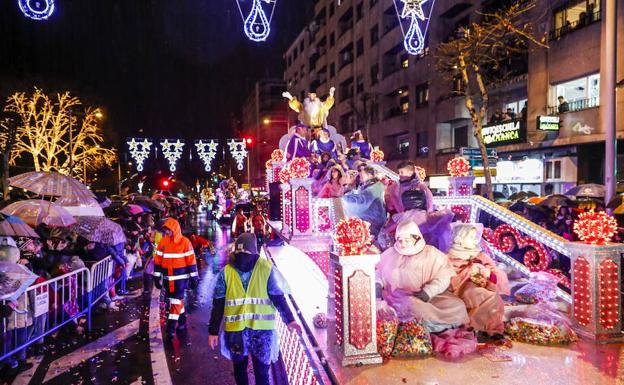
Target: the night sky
pixel 174 68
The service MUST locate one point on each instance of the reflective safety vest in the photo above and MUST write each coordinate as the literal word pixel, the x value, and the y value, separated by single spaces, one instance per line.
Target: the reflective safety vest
pixel 252 309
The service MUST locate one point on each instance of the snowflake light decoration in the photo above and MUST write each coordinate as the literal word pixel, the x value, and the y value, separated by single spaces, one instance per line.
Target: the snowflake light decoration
pixel 172 151
pixel 256 25
pixel 238 150
pixel 36 9
pixel 139 151
pixel 458 166
pixel 412 12
pixel 595 228
pixel 207 152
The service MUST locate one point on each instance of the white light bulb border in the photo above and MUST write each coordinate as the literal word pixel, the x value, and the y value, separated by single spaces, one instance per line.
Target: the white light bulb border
pixel 238 150
pixel 172 151
pixel 207 152
pixel 256 25
pixel 412 12
pixel 36 14
pixel 139 151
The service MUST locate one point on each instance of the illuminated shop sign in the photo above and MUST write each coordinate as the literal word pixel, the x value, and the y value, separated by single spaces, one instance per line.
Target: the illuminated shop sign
pixel 504 133
pixel 520 171
pixel 548 123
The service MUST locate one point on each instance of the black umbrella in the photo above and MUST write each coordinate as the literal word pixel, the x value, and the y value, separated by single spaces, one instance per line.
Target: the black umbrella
pixel 556 200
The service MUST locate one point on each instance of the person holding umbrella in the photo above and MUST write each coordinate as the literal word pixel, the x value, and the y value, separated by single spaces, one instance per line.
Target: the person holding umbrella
pixel 175 263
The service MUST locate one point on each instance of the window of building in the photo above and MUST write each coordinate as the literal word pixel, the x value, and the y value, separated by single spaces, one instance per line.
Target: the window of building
pixel 579 94
pixel 403 144
pixel 332 39
pixel 332 9
pixel 346 55
pixel 345 23
pixel 359 11
pixel 390 20
pixel 295 52
pixel 332 70
pixel 374 35
pixel 346 89
pixel 405 61
pixel 359 47
pixel 422 95
pixel 422 143
pixel 359 84
pixel 458 85
pixel 515 107
pixel 404 100
pixel 553 169
pixel 371 3
pixel 374 72
pixel 574 15
pixel 460 137
pixel 345 122
pixel 301 46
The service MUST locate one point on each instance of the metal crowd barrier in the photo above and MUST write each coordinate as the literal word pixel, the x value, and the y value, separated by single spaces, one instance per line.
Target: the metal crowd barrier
pixel 47 306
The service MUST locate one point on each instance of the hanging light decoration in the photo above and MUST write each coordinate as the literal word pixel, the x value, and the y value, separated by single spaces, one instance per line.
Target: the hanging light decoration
pixel 238 150
pixel 36 9
pixel 207 151
pixel 139 151
pixel 172 151
pixel 256 24
pixel 413 14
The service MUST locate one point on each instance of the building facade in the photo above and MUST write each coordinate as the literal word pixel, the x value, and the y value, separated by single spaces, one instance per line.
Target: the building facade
pixel 406 107
pixel 264 118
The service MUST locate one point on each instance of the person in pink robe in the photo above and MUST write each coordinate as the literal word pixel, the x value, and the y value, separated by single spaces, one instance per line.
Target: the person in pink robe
pixel 333 187
pixel 413 280
pixel 478 282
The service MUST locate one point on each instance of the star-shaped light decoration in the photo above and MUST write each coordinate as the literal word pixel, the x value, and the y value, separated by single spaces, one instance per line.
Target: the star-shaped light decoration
pixel 207 151
pixel 172 151
pixel 139 151
pixel 413 8
pixel 238 151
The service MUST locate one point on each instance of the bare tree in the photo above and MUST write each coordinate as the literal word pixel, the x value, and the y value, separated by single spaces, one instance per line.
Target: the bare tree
pixel 43 134
pixel 481 57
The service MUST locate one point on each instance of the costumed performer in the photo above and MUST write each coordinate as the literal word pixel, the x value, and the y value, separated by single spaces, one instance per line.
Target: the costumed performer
pixel 298 145
pixel 413 279
pixel 362 145
pixel 312 112
pixel 367 202
pixel 324 144
pixel 478 282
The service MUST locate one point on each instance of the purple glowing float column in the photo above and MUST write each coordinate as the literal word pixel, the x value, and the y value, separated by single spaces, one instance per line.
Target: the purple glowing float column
pixel 460 186
pixel 355 326
pixel 301 192
pixel 286 208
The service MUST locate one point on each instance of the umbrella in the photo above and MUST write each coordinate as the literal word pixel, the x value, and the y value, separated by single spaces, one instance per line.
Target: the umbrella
pixel 14 280
pixel 52 184
pixel 175 200
pixel 136 209
pixel 129 225
pixel 522 195
pixel 587 190
pixel 556 200
pixel 585 203
pixel 99 229
pixel 616 202
pixel 86 207
pixel 151 204
pixel 14 227
pixel 37 211
pixel 158 196
pixel 535 200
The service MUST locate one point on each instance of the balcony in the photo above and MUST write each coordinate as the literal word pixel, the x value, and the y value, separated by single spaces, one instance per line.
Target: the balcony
pixel 581 22
pixel 394 112
pixel 576 105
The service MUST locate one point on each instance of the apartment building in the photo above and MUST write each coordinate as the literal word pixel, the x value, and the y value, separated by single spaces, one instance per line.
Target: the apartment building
pixel 408 110
pixel 264 117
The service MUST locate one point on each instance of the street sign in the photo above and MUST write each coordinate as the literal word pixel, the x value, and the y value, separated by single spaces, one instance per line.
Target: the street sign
pixel 473 154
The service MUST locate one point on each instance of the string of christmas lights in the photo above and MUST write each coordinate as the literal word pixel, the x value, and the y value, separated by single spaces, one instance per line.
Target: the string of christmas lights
pixel 238 150
pixel 172 151
pixel 207 152
pixel 139 151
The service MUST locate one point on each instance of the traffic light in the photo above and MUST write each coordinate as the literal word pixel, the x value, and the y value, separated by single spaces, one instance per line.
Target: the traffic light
pixel 165 184
pixel 249 142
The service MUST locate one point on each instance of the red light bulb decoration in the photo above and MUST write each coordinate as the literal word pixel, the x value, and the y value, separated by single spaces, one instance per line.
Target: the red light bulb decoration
pixel 299 168
pixel 507 239
pixel 581 291
pixel 338 300
pixel 277 155
pixel 595 228
pixel 302 210
pixel 268 165
pixel 353 236
pixel 609 294
pixel 324 221
pixel 377 156
pixel 287 206
pixel 284 175
pixel 458 166
pixel 562 279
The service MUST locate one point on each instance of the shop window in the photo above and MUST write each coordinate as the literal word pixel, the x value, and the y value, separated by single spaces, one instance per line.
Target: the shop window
pixel 574 15
pixel 460 137
pixel 579 94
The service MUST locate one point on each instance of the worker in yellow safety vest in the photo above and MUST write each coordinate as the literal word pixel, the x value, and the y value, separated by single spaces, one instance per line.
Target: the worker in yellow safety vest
pixel 247 294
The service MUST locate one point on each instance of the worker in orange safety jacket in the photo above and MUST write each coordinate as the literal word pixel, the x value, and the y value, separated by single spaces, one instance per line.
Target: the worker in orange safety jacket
pixel 175 263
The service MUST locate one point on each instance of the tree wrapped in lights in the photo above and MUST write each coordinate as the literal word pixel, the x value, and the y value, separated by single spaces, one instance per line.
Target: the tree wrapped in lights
pixel 277 155
pixel 478 58
pixel 43 134
pixel 353 236
pixel 299 168
pixel 377 156
pixel 458 166
pixel 595 228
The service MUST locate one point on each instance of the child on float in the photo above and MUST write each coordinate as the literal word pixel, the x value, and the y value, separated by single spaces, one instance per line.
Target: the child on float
pixel 413 279
pixel 478 282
